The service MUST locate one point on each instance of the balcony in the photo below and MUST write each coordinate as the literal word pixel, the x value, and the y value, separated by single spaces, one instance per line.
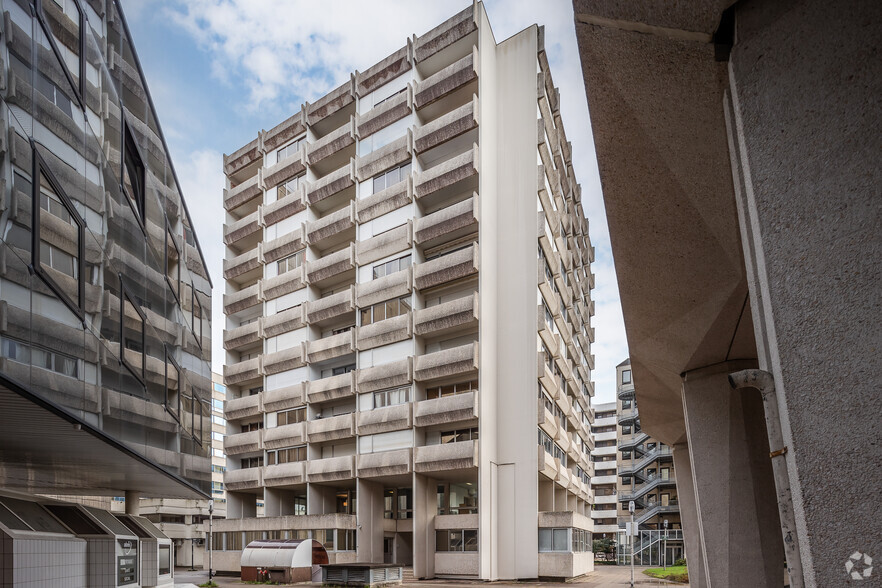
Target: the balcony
pixel 282 361
pixel 446 456
pixel 456 361
pixel 328 192
pixel 332 150
pixel 284 207
pixel 384 332
pixel 240 337
pixel 244 479
pixel 446 127
pixel 284 398
pixel 332 268
pixel 380 73
pixel 388 243
pixel 288 244
pixel 546 421
pixel 331 230
pixel 285 474
pixel 455 175
pixel 388 375
pixel 331 469
pixel 284 322
pixel 242 158
pixel 332 347
pixel 446 410
pixel 331 428
pixel 445 35
pixel 445 82
pixel 331 388
pixel 455 315
pixel 290 281
pixel 284 132
pixel 332 109
pixel 243 193
pixel 241 264
pixel 395 153
pixel 293 165
pixel 241 443
pixel 385 419
pixel 242 372
pixel 385 288
pixel 244 407
pixel 385 201
pixel 241 300
pixel 237 231
pixel 284 436
pixel 331 308
pixel 447 224
pixel 380 117
pixel 447 268
pixel 385 463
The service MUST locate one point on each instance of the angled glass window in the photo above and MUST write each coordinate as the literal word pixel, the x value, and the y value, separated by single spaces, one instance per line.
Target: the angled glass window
pixel 133 174
pixel 197 417
pixel 58 246
pixel 64 21
pixel 131 322
pixel 197 317
pixel 172 263
pixel 172 386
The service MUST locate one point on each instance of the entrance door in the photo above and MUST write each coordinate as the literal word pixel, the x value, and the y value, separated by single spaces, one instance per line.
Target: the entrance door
pixel 388 543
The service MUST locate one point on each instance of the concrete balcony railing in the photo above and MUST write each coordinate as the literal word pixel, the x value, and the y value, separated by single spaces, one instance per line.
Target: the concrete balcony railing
pixel 385 201
pixel 391 155
pixel 242 228
pixel 284 132
pixel 446 127
pixel 331 469
pixel 241 300
pixel 449 362
pixel 331 388
pixel 324 192
pixel 288 244
pixel 244 407
pixel 282 361
pixel 446 456
pixel 332 150
pixel 241 443
pixel 385 463
pixel 385 419
pixel 381 72
pixel 284 436
pixel 331 267
pixel 240 337
pixel 329 105
pixel 331 347
pixel 243 371
pixel 241 264
pixel 244 479
pixel 446 410
pixel 448 80
pixel 284 207
pixel 332 229
pixel 390 111
pixel 283 322
pixel 459 314
pixel 391 286
pixel 385 244
pixel 445 34
pixel 243 193
pixel 385 332
pixel 447 268
pixel 448 175
pixel 331 428
pixel 331 307
pixel 293 165
pixel 284 474
pixel 290 281
pixel 284 398
pixel 242 157
pixel 447 224
pixel 387 375
pixel 546 420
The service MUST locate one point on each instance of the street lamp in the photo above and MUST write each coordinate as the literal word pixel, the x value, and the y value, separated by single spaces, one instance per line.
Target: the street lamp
pixel 210 534
pixel 666 545
pixel 632 532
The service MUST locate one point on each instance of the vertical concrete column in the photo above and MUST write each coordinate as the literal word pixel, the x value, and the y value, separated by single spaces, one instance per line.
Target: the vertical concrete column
pixel 425 507
pixel 241 505
pixel 369 515
pixel 734 488
pixel 689 516
pixel 272 502
pixel 133 503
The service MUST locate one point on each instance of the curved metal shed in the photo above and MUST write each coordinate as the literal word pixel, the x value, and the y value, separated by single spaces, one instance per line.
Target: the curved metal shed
pixel 286 559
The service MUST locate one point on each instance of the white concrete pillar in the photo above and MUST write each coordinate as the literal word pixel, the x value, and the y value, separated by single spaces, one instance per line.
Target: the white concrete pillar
pixel 733 483
pixel 369 515
pixel 689 515
pixel 425 507
pixel 241 505
pixel 133 503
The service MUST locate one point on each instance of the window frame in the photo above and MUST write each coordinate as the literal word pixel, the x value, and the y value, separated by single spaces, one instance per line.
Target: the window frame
pixel 124 295
pixel 79 89
pixel 169 237
pixel 41 168
pixel 169 358
pixel 139 202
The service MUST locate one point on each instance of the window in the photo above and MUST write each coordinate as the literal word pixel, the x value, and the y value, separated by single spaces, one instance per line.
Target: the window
pixel 391 177
pixel 460 435
pixel 451 389
pixel 337 371
pixel 288 455
pixel 40 358
pixel 165 559
pixel 456 540
pixel 249 427
pixel 398 503
pixel 289 150
pixel 218 469
pixel 251 462
pixel 458 498
pixel 384 310
pixel 290 417
pixel 131 322
pixel 133 175
pixel 390 97
pixel 626 376
pixel 172 262
pixel 197 316
pixel 390 267
pixel 172 386
pixel 552 448
pixel 291 262
pixel 391 397
pixel 217 404
pixel 290 186
pixel 217 420
pixel 345 502
pixel 57 255
pixel 67 41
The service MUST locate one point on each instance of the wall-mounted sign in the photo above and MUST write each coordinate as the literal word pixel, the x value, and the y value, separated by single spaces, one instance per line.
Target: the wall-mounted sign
pixel 127 564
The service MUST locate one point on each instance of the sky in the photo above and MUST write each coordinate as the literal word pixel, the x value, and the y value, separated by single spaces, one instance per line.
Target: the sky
pixel 221 70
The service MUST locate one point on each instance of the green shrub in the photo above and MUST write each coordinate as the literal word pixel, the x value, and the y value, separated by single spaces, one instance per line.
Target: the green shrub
pixel 680 562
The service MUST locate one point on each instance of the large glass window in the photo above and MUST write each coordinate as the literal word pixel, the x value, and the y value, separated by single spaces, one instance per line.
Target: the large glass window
pixel 133 174
pixel 459 435
pixel 451 389
pixel 172 386
pixel 291 262
pixel 391 177
pixel 172 262
pixel 392 266
pixel 458 498
pixel 385 310
pixel 64 21
pixel 291 454
pixel 289 186
pixel 626 376
pixel 289 150
pixel 132 333
pixel 290 417
pixel 456 540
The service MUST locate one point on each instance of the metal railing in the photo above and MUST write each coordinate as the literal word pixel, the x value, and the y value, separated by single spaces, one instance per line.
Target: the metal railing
pixel 648 458
pixel 651 482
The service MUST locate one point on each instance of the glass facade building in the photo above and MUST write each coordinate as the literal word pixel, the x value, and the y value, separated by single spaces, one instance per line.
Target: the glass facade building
pixel 104 294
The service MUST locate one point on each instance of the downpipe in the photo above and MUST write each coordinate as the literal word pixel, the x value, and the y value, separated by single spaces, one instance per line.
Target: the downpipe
pixel 765 383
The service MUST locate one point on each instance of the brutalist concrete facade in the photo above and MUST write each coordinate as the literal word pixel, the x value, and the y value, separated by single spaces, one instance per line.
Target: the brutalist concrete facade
pixel 738 145
pixel 408 318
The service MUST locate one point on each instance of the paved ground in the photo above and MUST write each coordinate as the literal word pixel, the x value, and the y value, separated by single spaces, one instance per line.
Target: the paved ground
pixel 602 577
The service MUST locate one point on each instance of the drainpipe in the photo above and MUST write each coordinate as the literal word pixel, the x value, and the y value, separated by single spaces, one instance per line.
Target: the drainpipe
pixel 765 383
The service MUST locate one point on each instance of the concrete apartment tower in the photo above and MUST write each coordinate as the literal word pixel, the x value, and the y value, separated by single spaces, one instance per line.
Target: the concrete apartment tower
pixel 604 481
pixel 105 381
pixel 408 318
